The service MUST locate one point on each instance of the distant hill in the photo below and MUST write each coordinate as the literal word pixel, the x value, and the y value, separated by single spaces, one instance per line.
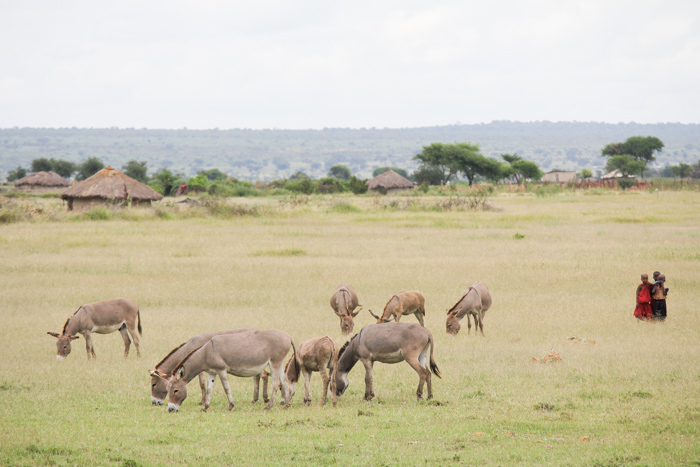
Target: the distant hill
pixel 269 154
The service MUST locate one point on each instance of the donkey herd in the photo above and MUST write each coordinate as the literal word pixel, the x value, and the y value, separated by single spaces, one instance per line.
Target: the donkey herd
pixel 249 352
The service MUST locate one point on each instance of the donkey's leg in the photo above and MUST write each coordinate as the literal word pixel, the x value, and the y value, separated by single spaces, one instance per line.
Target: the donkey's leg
pixel 256 388
pixel 326 380
pixel 419 315
pixel 127 341
pixel 135 337
pixel 88 345
pixel 369 385
pixel 266 379
pixel 286 392
pixel 469 323
pixel 481 322
pixel 227 388
pixel 307 386
pixel 207 394
pixel 422 377
pixel 275 371
pixel 203 386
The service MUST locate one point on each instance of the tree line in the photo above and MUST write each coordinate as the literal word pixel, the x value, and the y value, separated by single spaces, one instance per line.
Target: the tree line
pixel 439 164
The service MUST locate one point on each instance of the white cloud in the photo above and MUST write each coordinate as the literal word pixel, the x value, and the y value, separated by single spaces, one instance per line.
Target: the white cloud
pixel 319 64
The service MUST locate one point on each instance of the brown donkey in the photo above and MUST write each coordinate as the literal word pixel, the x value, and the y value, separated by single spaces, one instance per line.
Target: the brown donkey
pixel 243 354
pixel 103 318
pixel 475 302
pixel 388 343
pixel 403 303
pixel 344 301
pixel 315 354
pixel 159 386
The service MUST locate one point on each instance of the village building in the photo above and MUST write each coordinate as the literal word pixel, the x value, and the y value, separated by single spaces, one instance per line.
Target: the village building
pixel 109 187
pixel 42 182
pixel 389 182
pixel 559 176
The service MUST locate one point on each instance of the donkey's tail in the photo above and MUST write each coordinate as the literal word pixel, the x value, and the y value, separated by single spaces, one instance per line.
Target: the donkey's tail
pixel 297 369
pixel 138 315
pixel 433 366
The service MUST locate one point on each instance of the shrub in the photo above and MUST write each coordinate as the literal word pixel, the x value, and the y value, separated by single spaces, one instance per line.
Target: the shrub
pixel 99 213
pixel 344 208
pixel 625 183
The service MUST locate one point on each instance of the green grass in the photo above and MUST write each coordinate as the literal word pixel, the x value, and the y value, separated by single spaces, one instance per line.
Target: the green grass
pixel 632 398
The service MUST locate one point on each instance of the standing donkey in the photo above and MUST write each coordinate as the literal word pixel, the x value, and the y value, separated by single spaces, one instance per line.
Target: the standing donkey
pixel 315 354
pixel 102 317
pixel 344 301
pixel 475 302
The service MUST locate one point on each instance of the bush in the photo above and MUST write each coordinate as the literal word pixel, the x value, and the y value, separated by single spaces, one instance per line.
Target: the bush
pixel 96 214
pixel 625 183
pixel 344 208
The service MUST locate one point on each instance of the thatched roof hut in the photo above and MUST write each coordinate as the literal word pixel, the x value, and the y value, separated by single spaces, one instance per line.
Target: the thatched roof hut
pixel 42 182
pixel 109 186
pixel 389 182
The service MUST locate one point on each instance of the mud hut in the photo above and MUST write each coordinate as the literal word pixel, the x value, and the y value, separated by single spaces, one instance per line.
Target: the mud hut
pixel 559 176
pixel 111 187
pixel 42 182
pixel 389 182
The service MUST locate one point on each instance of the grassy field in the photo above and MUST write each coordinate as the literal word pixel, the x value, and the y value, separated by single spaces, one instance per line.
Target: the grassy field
pixel 558 267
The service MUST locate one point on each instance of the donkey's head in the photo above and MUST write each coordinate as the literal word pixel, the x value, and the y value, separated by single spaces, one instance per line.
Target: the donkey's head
pixel 177 392
pixel 62 344
pixel 159 387
pixel 452 325
pixel 346 323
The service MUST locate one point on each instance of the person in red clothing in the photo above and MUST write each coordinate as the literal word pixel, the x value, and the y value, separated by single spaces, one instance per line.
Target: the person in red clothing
pixel 643 309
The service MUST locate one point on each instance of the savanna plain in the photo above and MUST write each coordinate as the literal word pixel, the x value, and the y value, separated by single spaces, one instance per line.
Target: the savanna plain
pixel 558 267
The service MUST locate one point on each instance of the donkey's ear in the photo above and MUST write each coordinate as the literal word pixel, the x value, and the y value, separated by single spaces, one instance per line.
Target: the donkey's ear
pixel 73 337
pixel 357 312
pixel 54 334
pixel 181 373
pixel 158 374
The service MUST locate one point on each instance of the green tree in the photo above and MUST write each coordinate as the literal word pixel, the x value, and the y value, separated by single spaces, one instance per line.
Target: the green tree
pixel 41 165
pixel 681 170
pixel 136 170
pixel 585 173
pixel 520 169
pixel 89 167
pixel 198 183
pixel 428 175
pixel 213 174
pixel 640 148
pixel 357 186
pixel 16 174
pixel 626 164
pixel 299 175
pixel 381 170
pixel 339 171
pixel 165 180
pixel 472 164
pixel 63 168
pixel 438 158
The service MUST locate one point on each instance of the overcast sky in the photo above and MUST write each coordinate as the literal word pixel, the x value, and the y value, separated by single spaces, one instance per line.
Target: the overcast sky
pixel 314 64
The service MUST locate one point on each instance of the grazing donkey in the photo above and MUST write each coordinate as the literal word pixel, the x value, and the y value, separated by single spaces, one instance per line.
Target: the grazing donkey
pixel 344 301
pixel 387 343
pixel 159 386
pixel 103 318
pixel 243 354
pixel 403 303
pixel 315 354
pixel 475 301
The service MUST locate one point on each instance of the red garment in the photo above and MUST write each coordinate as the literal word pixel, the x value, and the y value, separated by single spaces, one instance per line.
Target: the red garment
pixel 643 309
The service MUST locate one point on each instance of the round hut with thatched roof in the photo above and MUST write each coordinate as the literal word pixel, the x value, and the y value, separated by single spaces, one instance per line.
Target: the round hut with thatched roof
pixel 389 182
pixel 109 186
pixel 42 182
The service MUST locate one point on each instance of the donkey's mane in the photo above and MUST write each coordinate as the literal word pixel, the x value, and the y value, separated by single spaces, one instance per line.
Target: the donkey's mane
pixel 345 346
pixel 460 299
pixel 68 320
pixel 387 303
pixel 171 352
pixel 182 362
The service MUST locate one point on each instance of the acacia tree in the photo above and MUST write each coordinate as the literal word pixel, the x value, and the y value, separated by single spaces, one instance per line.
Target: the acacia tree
pixel 339 171
pixel 640 148
pixel 626 164
pixel 682 170
pixel 89 167
pixel 520 169
pixel 438 158
pixel 136 170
